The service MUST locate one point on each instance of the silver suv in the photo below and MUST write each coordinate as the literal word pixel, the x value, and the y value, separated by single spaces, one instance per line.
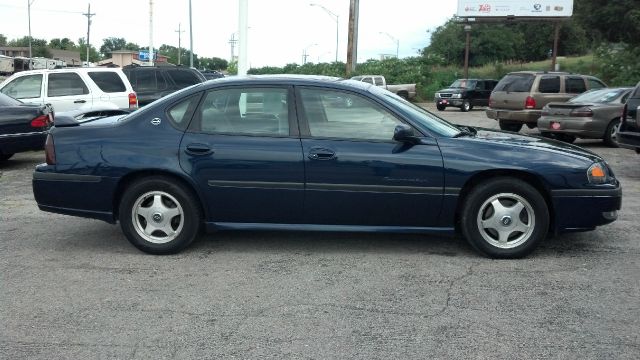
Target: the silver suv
pixel 520 96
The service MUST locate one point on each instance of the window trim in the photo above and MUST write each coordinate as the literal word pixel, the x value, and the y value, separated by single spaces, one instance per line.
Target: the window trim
pixel 294 131
pixel 305 132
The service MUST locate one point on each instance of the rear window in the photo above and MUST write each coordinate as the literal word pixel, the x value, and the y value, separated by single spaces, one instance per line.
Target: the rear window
pixel 183 78
pixel 549 85
pixel 515 83
pixel 599 96
pixel 107 81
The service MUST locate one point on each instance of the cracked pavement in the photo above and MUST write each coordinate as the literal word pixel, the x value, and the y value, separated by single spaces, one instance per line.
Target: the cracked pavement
pixel 75 289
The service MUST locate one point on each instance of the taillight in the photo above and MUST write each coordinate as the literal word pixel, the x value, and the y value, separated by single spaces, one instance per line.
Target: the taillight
pixel 41 121
pixel 623 119
pixel 581 112
pixel 490 101
pixel 133 101
pixel 49 151
pixel 529 103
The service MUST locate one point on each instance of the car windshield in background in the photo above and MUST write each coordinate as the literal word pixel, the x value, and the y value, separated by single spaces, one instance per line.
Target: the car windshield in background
pixel 6 100
pixel 515 83
pixel 427 119
pixel 464 83
pixel 599 96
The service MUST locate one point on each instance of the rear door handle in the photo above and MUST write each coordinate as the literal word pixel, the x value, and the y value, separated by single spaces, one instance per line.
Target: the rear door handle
pixel 321 154
pixel 198 149
pixel 80 101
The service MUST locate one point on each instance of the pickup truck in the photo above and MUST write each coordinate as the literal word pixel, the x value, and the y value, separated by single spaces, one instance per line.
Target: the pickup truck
pixel 629 131
pixel 406 91
pixel 465 94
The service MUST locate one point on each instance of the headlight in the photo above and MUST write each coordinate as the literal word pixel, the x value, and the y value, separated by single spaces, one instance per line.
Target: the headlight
pixel 437 95
pixel 457 96
pixel 598 173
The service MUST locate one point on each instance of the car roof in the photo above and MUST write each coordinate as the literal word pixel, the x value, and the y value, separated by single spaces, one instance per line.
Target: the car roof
pixel 69 69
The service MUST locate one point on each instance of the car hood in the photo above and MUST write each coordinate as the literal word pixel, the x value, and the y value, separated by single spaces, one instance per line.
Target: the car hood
pixel 452 90
pixel 526 142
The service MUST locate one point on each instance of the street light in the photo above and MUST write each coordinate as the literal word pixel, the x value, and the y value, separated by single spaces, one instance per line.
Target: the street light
pixel 304 53
pixel 337 22
pixel 394 39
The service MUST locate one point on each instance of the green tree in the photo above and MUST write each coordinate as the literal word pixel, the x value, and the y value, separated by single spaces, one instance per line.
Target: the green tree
pixel 38 46
pixel 94 55
pixel 611 21
pixel 63 44
pixel 213 63
pixel 111 44
pixel 3 40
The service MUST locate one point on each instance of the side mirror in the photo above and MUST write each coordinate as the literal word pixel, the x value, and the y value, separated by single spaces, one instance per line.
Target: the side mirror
pixel 404 133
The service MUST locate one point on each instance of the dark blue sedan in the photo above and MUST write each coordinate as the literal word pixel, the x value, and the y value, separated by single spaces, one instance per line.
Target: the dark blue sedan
pixel 316 153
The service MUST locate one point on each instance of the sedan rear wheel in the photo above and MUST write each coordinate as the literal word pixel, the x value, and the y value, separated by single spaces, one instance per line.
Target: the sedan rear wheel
pixel 505 218
pixel 611 134
pixel 159 215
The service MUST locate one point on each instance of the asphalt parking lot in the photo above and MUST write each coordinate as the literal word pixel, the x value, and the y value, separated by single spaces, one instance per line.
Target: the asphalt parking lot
pixel 75 288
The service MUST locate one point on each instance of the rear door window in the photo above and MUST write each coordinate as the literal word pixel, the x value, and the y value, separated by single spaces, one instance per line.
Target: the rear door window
pixel 549 84
pixel 24 87
pixel 515 83
pixel 575 85
pixel 146 80
pixel 66 84
pixel 183 78
pixel 108 81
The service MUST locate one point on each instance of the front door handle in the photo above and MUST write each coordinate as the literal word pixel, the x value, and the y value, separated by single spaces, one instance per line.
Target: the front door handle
pixel 198 149
pixel 321 154
pixel 80 101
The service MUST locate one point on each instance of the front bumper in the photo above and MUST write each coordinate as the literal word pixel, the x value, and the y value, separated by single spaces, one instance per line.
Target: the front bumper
pixel 581 127
pixel 457 102
pixel 585 209
pixel 523 116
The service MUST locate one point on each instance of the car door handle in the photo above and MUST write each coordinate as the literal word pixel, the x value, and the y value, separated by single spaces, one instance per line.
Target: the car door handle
pixel 321 154
pixel 198 149
pixel 80 101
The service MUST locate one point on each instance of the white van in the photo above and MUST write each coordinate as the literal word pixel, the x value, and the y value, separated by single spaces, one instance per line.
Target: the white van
pixel 73 88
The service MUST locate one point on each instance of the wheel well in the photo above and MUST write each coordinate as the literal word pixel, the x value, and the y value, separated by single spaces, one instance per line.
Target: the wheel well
pixel 529 178
pixel 403 92
pixel 135 176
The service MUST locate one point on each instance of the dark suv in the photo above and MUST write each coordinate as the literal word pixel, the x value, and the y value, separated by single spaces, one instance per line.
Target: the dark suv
pixel 153 82
pixel 629 132
pixel 465 94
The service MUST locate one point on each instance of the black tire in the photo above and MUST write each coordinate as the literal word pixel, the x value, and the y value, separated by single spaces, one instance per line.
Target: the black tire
pixel 466 106
pixel 5 157
pixel 441 107
pixel 177 208
pixel 404 95
pixel 510 125
pixel 521 236
pixel 566 138
pixel 532 125
pixel 610 135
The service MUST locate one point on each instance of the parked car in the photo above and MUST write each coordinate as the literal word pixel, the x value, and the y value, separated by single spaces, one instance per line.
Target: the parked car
pixel 72 88
pixel 629 132
pixel 594 114
pixel 406 91
pixel 290 160
pixel 465 94
pixel 519 97
pixel 153 82
pixel 23 127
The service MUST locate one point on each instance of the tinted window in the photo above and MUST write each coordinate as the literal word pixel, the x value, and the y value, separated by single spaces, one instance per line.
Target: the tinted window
pixel 490 85
pixel 515 83
pixel 107 81
pixel 575 85
pixel 379 81
pixel 183 78
pixel 180 113
pixel 24 87
pixel 334 114
pixel 260 111
pixel 368 80
pixel 66 84
pixel 8 101
pixel 596 84
pixel 549 84
pixel 146 80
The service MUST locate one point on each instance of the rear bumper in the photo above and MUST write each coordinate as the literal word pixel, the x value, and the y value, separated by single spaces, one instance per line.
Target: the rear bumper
pixel 585 209
pixel 72 194
pixel 15 143
pixel 582 127
pixel 523 116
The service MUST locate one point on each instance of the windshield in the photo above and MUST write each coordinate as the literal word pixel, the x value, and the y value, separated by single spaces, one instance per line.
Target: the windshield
pixel 601 96
pixel 425 118
pixel 6 100
pixel 464 83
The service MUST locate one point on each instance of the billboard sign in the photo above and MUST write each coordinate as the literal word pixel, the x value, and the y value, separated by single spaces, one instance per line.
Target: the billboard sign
pixel 515 8
pixel 143 55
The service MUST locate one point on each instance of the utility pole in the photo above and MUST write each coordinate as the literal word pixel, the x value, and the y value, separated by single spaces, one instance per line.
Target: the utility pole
pixel 352 45
pixel 232 42
pixel 554 56
pixel 179 42
pixel 150 32
pixel 29 2
pixel 190 36
pixel 88 15
pixel 467 30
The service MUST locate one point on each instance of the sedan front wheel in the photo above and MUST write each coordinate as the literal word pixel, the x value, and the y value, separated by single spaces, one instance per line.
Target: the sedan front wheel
pixel 505 218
